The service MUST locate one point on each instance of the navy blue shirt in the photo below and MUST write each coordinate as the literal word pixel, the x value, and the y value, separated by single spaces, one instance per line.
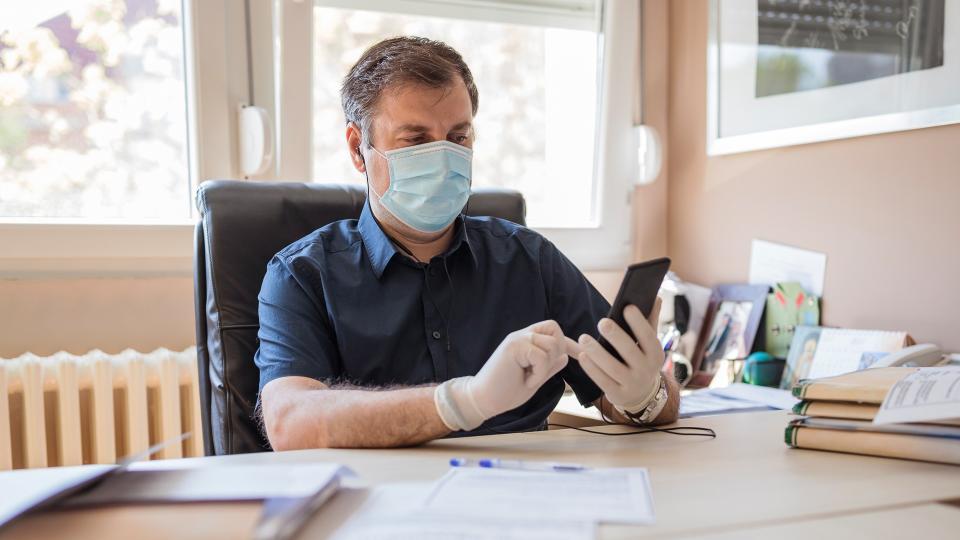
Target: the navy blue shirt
pixel 342 305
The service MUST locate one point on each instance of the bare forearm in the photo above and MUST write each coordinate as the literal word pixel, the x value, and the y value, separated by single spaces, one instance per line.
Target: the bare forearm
pixel 319 417
pixel 385 418
pixel 667 415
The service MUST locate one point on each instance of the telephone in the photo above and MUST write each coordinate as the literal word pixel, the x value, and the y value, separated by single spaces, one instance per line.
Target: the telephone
pixel 922 355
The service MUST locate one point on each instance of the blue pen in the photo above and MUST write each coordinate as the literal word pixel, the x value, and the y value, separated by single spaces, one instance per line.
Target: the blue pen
pixel 516 464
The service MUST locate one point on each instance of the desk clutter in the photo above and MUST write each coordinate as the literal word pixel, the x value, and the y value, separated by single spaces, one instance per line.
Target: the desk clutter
pixel 768 332
pixel 480 499
pixel 861 391
pixel 746 333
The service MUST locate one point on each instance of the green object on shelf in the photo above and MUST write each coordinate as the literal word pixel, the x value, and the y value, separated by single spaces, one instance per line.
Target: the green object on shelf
pixel 762 369
pixel 788 307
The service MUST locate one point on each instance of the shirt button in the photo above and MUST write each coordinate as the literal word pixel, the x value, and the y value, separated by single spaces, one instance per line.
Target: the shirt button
pixel 433 271
pixel 436 334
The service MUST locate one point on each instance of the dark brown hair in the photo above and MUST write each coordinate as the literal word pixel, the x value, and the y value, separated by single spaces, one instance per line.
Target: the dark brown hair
pixel 397 61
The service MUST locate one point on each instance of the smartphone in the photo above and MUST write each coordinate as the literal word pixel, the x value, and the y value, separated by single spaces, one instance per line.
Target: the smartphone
pixel 639 287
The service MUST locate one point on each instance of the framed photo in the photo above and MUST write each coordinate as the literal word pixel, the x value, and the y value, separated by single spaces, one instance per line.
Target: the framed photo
pixel 787 72
pixel 800 357
pixel 727 339
pixel 729 329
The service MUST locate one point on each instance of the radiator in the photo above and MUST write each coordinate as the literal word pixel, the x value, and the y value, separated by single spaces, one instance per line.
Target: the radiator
pixel 96 408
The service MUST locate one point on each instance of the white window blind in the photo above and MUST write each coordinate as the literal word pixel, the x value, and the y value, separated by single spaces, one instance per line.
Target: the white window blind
pixel 569 14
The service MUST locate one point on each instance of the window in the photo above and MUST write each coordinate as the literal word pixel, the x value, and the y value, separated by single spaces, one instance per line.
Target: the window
pixel 558 83
pixel 112 110
pixel 536 125
pixel 92 110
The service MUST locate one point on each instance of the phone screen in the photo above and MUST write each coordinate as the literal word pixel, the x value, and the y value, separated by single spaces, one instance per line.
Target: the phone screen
pixel 639 287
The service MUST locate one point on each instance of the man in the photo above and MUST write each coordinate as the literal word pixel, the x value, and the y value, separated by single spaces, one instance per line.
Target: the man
pixel 416 322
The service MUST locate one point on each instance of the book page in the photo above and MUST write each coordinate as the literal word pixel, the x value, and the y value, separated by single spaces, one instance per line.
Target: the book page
pixel 928 394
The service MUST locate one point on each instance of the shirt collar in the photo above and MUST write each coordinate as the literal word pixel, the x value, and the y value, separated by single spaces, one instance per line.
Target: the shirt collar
pixel 381 250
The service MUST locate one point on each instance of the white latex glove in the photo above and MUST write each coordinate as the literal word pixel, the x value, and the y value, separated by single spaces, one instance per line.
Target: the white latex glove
pixel 630 386
pixel 521 364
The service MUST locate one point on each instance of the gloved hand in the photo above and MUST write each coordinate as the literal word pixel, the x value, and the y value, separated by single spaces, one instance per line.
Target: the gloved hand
pixel 631 386
pixel 521 364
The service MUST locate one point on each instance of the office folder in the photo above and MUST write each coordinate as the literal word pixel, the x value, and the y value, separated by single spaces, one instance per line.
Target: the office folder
pixel 848 410
pixel 866 386
pixel 946 449
pixel 291 492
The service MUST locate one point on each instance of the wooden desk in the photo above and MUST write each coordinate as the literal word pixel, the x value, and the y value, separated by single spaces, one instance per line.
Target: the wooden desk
pixel 745 480
pixel 920 522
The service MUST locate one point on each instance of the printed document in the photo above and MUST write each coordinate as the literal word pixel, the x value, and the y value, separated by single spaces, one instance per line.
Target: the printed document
pixel 928 394
pixel 598 495
pixel 418 527
pixel 395 512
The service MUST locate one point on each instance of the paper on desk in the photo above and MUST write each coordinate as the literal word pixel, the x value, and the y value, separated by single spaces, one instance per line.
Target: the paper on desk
pixel 772 263
pixel 736 397
pixel 23 490
pixel 773 397
pixel 214 483
pixel 704 402
pixel 417 527
pixel 597 495
pixel 395 511
pixel 929 393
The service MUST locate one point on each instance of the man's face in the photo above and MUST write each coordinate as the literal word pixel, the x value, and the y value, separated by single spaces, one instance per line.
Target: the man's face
pixel 407 116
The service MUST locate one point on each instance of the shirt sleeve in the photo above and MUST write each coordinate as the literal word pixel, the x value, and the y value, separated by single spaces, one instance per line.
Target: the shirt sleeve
pixel 295 336
pixel 577 306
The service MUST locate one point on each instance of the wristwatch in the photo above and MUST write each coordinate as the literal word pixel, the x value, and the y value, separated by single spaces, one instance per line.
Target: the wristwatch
pixel 653 408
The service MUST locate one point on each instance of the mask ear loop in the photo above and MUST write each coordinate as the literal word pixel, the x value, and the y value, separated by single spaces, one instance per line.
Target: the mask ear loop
pixel 366 174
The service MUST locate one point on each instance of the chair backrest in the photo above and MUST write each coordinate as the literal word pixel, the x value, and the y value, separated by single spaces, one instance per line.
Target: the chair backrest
pixel 242 226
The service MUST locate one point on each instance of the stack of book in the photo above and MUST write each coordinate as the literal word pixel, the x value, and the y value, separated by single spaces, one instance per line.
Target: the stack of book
pixel 837 414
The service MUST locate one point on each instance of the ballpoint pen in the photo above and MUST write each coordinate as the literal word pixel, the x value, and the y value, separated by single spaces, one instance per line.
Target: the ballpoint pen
pixel 496 463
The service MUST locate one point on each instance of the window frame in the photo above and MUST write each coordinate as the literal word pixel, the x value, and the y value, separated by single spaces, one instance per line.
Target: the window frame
pixel 39 247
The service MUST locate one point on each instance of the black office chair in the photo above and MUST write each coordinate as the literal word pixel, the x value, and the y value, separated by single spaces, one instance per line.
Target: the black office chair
pixel 242 225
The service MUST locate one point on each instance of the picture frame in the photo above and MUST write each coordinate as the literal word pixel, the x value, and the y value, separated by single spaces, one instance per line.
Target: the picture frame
pixel 737 310
pixel 788 73
pixel 800 356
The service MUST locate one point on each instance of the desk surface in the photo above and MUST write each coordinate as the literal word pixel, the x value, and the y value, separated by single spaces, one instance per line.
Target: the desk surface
pixel 745 480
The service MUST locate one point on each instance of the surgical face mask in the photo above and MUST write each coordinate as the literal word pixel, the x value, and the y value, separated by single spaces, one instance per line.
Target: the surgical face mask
pixel 429 184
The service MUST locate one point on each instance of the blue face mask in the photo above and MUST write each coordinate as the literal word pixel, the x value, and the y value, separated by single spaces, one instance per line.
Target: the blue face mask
pixel 429 184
